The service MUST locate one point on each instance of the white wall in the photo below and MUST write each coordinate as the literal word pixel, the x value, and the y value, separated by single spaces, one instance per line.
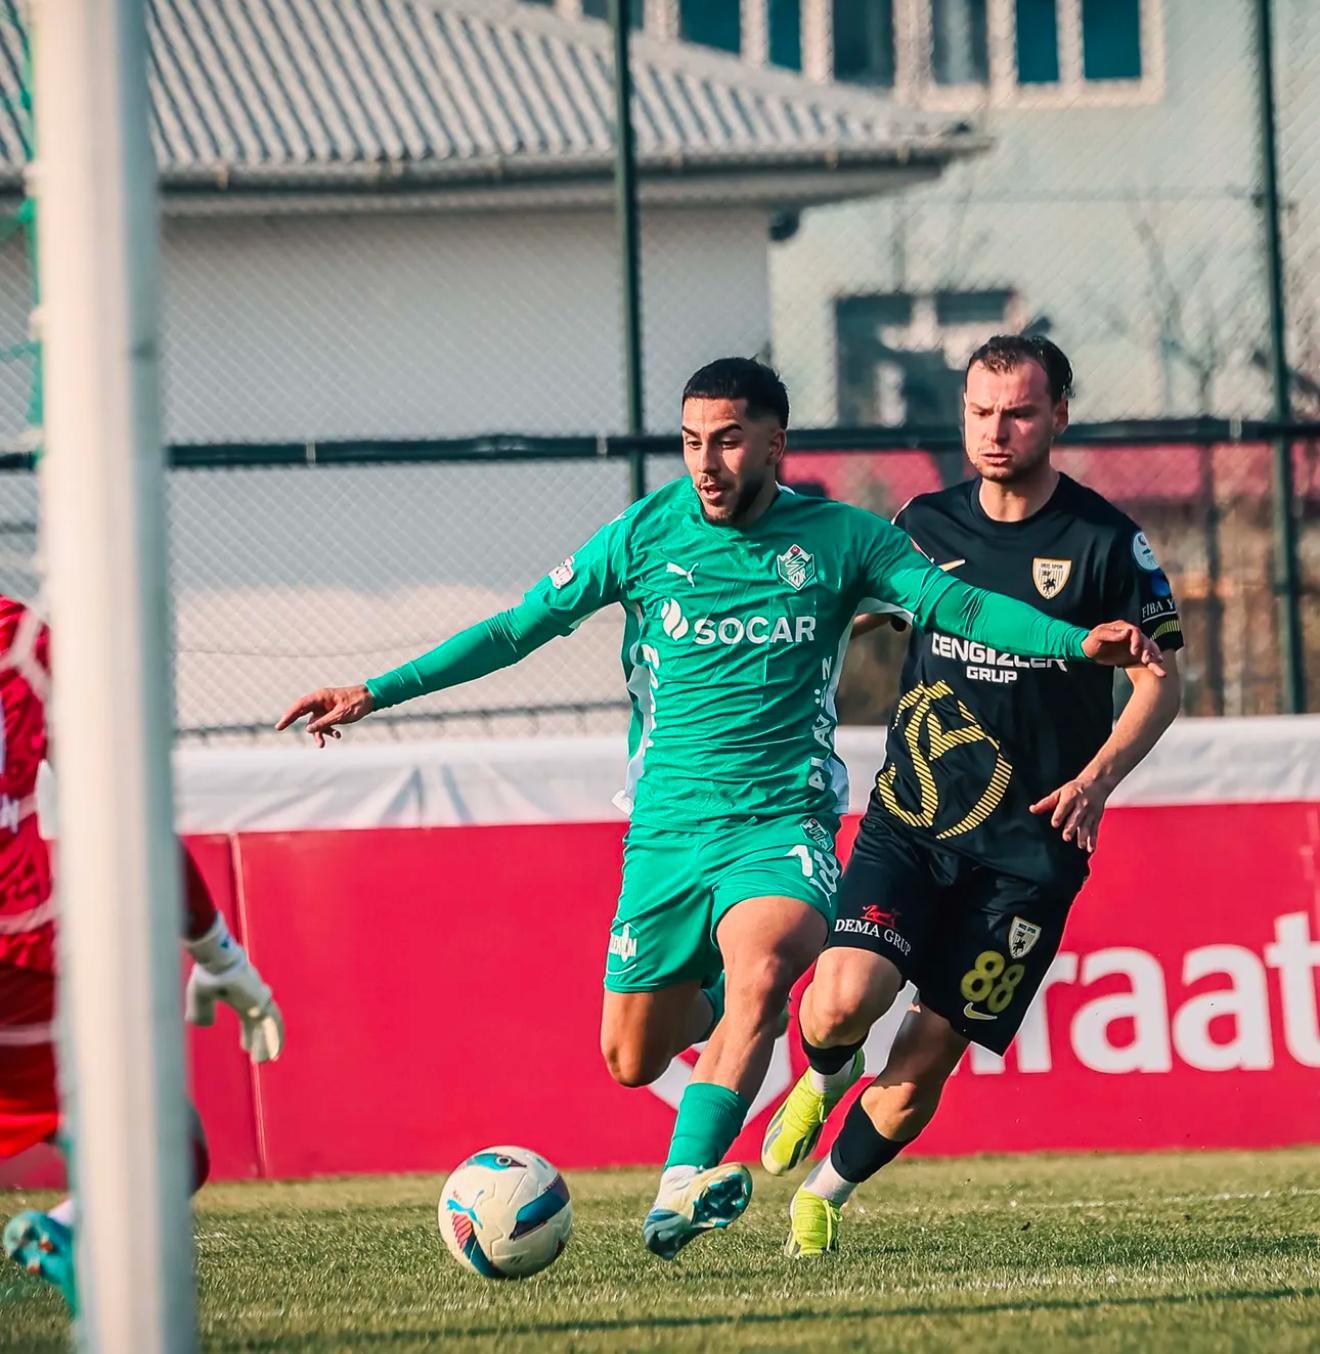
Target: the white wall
pixel 297 327
pixel 411 326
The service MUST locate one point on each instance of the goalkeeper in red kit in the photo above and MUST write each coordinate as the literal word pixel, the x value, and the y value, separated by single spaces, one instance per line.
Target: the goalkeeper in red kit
pixel 42 1243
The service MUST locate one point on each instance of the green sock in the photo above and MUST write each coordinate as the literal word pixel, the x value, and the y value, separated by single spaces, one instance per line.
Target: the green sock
pixel 709 1119
pixel 715 995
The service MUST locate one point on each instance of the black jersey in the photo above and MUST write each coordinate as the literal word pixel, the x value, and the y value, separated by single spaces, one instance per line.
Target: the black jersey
pixel 978 735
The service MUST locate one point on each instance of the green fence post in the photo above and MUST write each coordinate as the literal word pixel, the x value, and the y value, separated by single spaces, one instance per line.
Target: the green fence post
pixel 625 187
pixel 1287 580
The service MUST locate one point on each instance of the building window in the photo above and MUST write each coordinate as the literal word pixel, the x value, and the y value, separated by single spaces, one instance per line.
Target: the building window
pixel 600 9
pixel 864 42
pixel 901 355
pixel 1036 35
pixel 714 23
pixel 960 46
pixel 986 309
pixel 785 21
pixel 962 54
pixel 1111 39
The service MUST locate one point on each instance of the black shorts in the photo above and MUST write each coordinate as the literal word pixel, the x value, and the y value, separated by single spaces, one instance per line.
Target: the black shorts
pixel 976 942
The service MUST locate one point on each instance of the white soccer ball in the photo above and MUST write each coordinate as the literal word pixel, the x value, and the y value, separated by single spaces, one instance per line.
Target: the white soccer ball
pixel 505 1213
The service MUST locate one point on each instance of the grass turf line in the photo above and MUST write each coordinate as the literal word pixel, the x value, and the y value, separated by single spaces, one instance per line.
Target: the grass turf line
pixel 1207 1252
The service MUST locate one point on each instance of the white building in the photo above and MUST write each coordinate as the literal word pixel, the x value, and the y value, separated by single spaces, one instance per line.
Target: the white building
pixel 1119 208
pixel 394 218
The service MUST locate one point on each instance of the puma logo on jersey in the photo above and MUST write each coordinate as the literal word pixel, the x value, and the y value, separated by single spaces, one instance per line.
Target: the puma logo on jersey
pixel 684 573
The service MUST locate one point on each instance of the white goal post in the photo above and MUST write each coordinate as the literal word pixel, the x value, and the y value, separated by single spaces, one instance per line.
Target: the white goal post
pixel 104 548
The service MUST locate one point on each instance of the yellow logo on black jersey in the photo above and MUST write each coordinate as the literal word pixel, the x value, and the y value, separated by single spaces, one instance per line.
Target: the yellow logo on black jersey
pixel 1050 575
pixel 927 740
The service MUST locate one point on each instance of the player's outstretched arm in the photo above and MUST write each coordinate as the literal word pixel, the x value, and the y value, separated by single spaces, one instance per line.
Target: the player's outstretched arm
pixel 472 653
pixel 1120 644
pixel 896 574
pixel 326 707
pixel 1076 807
pixel 582 584
pixel 1015 627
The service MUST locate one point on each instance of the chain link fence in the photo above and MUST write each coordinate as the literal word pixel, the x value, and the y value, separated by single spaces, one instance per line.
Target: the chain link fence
pixel 393 219
pixel 291 576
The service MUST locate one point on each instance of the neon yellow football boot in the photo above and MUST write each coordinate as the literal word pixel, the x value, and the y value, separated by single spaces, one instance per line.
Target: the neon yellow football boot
pixel 795 1128
pixel 813 1226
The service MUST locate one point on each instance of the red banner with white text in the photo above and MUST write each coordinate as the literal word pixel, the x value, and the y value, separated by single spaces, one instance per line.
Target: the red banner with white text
pixel 442 992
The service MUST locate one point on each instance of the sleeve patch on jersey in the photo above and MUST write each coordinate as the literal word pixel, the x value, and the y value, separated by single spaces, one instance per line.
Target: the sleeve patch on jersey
pixel 562 573
pixel 1168 628
pixel 1143 554
pixel 1161 606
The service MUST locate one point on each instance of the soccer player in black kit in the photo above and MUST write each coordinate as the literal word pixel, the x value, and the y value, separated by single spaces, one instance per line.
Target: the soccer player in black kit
pixel 979 831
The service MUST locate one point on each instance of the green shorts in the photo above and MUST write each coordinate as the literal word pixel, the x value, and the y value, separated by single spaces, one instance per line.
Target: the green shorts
pixel 679 883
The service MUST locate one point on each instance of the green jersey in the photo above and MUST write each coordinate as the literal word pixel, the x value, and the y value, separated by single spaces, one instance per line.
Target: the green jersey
pixel 733 644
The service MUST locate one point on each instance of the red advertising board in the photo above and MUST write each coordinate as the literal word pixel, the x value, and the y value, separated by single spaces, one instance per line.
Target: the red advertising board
pixel 442 991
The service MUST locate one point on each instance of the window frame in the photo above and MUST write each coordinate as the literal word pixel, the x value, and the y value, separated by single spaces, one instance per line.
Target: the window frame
pixel 1073 89
pixel 923 333
pixel 914 79
pixel 925 35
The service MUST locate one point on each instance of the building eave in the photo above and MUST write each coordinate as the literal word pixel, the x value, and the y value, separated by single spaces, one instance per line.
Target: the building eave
pixel 791 178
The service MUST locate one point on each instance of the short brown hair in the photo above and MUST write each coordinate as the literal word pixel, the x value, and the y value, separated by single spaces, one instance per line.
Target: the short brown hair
pixel 1004 352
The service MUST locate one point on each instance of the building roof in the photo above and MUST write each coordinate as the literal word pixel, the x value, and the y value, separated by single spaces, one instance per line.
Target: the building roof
pixel 347 93
pixel 1137 478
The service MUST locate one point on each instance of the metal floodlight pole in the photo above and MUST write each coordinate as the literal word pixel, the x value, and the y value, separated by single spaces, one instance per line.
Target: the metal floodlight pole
pixel 103 514
pixel 1287 575
pixel 625 187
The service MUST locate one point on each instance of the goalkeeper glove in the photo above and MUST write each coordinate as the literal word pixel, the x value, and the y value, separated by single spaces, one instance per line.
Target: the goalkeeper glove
pixel 222 972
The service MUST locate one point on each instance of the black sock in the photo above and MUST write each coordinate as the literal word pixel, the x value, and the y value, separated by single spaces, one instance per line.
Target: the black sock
pixel 827 1060
pixel 859 1151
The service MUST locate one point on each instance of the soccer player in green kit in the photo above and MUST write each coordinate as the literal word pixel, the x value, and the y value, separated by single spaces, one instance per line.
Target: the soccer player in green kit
pixel 739 597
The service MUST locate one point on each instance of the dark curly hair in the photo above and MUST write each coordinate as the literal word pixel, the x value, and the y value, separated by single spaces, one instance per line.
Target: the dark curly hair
pixel 741 378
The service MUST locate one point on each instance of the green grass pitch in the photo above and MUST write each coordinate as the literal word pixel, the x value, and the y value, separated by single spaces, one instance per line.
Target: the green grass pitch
pixel 1195 1252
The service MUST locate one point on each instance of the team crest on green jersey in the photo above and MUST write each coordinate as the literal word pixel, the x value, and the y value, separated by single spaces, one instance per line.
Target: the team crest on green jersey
pixel 796 567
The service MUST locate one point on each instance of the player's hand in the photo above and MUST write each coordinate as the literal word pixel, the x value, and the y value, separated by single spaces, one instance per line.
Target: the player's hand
pixel 873 620
pixel 261 1026
pixel 328 706
pixel 1120 644
pixel 1076 808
